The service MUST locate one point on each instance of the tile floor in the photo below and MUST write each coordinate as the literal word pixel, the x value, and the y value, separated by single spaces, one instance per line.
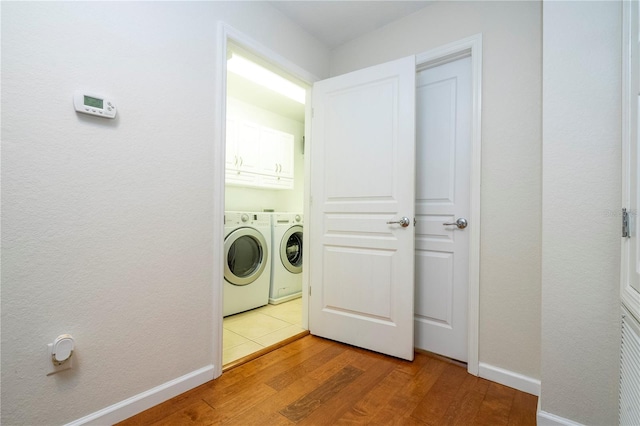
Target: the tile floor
pixel 253 330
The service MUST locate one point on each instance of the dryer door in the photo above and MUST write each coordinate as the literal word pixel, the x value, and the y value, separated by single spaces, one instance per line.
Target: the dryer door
pixel 291 249
pixel 246 256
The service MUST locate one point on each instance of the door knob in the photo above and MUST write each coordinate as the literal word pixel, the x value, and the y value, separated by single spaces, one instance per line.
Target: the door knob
pixel 460 223
pixel 404 222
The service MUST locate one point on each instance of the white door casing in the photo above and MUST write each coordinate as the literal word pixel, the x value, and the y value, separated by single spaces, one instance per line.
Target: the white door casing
pixel 630 271
pixel 362 176
pixel 226 34
pixel 443 160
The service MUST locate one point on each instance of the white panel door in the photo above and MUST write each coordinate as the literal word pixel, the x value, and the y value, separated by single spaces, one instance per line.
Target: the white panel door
pixel 362 177
pixel 443 159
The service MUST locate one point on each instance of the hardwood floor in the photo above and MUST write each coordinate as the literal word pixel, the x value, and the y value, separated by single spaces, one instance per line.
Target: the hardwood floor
pixel 314 381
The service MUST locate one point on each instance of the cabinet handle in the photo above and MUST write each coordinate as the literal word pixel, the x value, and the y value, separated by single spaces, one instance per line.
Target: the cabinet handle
pixel 240 162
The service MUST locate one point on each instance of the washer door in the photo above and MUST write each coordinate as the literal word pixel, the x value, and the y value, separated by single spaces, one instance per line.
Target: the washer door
pixel 245 256
pixel 291 249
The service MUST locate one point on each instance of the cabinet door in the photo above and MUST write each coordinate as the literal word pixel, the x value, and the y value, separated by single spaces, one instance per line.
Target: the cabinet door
pixel 238 136
pixel 285 144
pixel 269 152
pixel 248 136
pixel 276 158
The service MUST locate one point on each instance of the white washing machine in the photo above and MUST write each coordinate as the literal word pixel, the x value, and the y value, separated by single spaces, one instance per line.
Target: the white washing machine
pixel 247 266
pixel 286 259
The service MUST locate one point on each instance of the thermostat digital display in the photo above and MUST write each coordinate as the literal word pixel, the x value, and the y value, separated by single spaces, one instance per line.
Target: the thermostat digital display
pixel 93 102
pixel 89 103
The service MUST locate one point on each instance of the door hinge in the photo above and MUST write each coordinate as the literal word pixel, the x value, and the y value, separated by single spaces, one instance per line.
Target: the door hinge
pixel 625 224
pixel 309 290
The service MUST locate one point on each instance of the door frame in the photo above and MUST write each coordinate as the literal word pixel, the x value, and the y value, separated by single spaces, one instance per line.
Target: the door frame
pixel 628 296
pixel 226 33
pixel 471 46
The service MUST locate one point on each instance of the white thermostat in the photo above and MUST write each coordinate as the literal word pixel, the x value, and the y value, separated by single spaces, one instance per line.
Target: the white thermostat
pixel 90 103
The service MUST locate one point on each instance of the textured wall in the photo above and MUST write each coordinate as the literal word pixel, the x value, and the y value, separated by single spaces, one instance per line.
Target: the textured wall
pixel 511 153
pixel 581 185
pixel 107 224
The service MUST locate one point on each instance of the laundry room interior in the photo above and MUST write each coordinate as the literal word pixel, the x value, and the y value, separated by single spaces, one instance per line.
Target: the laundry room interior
pixel 264 196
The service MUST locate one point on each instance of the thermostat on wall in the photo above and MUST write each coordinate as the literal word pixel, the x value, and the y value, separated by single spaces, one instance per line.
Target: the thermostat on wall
pixel 90 103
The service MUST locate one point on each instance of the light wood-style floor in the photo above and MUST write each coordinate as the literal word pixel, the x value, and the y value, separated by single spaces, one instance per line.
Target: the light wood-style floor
pixel 314 381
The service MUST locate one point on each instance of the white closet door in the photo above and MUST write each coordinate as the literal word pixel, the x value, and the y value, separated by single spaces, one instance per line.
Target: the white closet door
pixel 442 196
pixel 362 178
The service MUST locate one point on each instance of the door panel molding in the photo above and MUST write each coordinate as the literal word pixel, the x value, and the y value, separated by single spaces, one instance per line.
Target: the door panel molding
pixel 471 46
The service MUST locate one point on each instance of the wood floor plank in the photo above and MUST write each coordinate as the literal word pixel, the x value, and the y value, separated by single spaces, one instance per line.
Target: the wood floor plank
pixel 289 376
pixel 244 398
pixel 336 407
pixel 241 398
pixel 407 399
pixel 270 409
pixel 463 410
pixel 412 368
pixel 364 410
pixel 198 413
pixel 436 402
pixel 496 406
pixel 303 407
pixel 270 419
pixel 523 411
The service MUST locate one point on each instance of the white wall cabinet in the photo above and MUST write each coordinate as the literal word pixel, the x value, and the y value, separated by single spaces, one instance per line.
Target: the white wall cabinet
pixel 242 159
pixel 277 158
pixel 258 156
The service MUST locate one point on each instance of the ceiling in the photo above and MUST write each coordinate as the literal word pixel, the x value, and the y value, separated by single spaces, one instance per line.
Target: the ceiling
pixel 259 96
pixel 337 22
pixel 332 23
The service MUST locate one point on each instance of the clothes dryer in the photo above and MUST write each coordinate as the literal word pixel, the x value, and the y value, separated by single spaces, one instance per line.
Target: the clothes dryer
pixel 247 266
pixel 286 259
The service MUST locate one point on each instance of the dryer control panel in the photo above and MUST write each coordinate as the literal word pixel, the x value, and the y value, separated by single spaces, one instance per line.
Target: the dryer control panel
pixel 247 218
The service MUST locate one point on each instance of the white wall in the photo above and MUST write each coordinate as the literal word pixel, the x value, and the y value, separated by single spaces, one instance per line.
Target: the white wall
pixel 240 198
pixel 581 185
pixel 511 153
pixel 107 224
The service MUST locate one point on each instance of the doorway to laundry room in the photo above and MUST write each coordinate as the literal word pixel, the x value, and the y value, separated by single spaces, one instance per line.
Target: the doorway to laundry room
pixel 264 199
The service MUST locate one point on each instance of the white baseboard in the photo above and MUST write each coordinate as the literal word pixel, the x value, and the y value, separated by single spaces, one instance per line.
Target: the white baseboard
pixel 277 301
pixel 145 400
pixel 548 419
pixel 509 378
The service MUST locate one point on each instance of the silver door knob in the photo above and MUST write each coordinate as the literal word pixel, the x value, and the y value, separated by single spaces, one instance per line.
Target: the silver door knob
pixel 460 223
pixel 404 222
